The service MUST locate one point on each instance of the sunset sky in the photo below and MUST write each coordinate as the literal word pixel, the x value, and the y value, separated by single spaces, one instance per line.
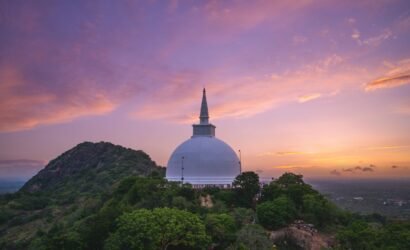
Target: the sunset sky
pixel 320 88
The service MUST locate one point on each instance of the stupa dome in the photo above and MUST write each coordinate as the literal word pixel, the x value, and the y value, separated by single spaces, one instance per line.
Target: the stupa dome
pixel 203 159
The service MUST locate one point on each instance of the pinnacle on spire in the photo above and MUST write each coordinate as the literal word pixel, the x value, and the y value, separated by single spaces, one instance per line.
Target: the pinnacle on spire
pixel 204 116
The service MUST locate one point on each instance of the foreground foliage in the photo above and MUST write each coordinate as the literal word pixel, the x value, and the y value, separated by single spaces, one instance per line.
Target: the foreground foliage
pixel 158 229
pixel 360 234
pixel 277 213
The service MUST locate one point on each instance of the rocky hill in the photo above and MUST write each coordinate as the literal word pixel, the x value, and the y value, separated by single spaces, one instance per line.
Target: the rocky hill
pixel 74 183
pixel 91 165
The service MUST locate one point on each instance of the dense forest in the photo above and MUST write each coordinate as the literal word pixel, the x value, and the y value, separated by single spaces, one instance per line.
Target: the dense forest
pixel 102 196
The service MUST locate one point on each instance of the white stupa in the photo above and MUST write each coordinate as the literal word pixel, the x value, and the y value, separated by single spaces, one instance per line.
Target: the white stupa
pixel 203 160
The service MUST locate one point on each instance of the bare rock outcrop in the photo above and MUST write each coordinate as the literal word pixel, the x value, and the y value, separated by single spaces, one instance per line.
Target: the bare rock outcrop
pixel 304 237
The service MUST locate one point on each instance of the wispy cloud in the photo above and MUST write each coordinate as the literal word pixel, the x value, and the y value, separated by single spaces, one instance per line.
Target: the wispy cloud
pixel 356 35
pixel 246 96
pixel 50 78
pixel 23 107
pixel 289 153
pixel 371 41
pixel 359 169
pixel 294 167
pixel 390 147
pixel 351 20
pixel 299 40
pixel 389 82
pixel 285 167
pixel 335 172
pixel 232 18
pixel 378 39
pixel 281 153
pixel 309 97
pixel 397 75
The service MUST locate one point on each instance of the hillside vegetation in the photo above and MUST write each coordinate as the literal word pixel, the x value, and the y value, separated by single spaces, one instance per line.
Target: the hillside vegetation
pixel 70 187
pixel 101 196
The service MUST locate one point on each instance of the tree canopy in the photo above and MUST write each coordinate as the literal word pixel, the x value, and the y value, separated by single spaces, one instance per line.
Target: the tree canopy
pixel 222 228
pixel 253 237
pixel 277 213
pixel 246 186
pixel 158 229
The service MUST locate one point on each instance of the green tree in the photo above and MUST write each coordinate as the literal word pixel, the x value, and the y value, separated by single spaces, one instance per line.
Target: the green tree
pixel 253 237
pixel 277 213
pixel 358 235
pixel 158 229
pixel 246 186
pixel 396 235
pixel 221 227
pixel 293 186
pixel 290 178
pixel 226 196
pixel 96 228
pixel 147 192
pixel 187 191
pixel 271 191
pixel 181 203
pixel 58 238
pixel 218 207
pixel 125 185
pixel 318 210
pixel 243 216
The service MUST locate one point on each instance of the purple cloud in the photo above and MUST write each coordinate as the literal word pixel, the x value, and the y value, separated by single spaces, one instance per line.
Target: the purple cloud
pixel 359 169
pixel 351 170
pixel 335 172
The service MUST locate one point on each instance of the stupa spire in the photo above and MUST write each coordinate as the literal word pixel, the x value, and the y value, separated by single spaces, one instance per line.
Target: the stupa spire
pixel 204 128
pixel 204 115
